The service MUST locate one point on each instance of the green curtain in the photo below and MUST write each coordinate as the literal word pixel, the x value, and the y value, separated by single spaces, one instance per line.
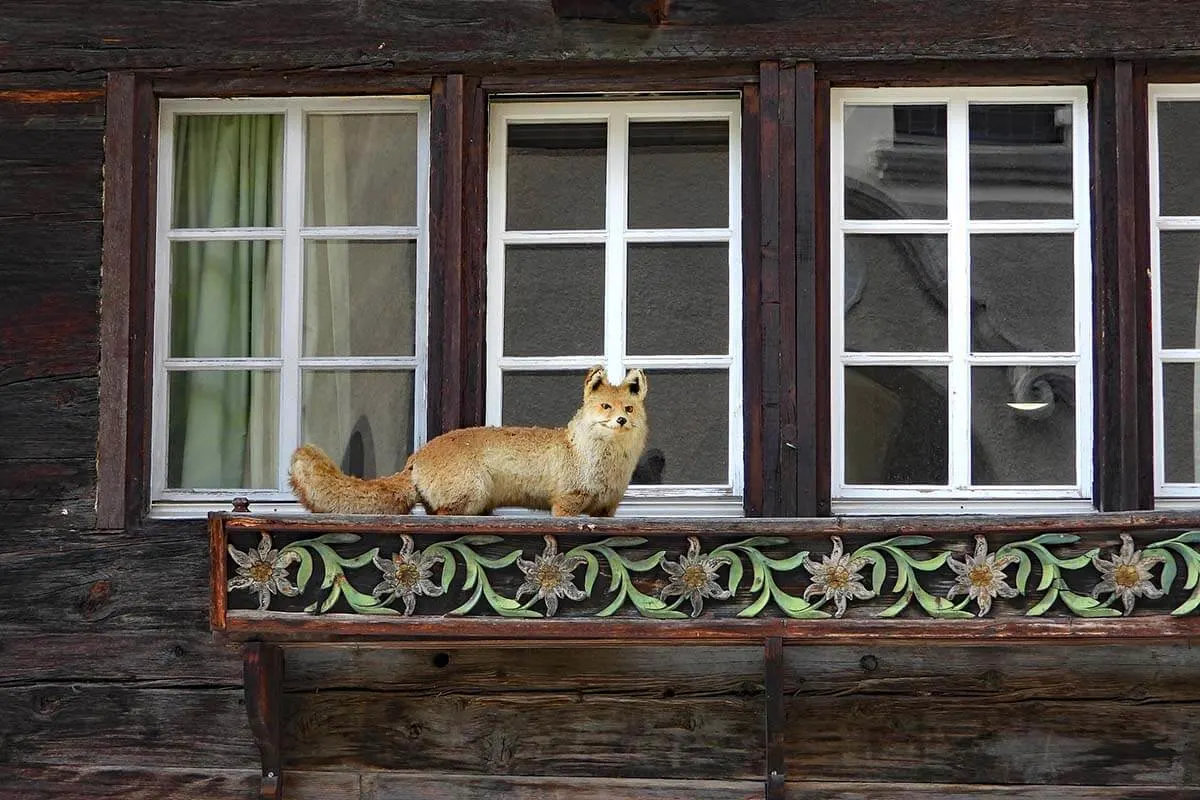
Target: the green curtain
pixel 225 300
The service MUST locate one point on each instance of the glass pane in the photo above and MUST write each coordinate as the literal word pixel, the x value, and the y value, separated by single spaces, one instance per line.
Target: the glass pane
pixel 688 413
pixel 1023 293
pixel 1178 158
pixel 689 428
pixel 361 169
pixel 678 299
pixel 223 430
pixel 1022 425
pixel 1179 266
pixel 225 299
pixel 1021 162
pixel 359 298
pixel 228 171
pixel 670 161
pixel 362 419
pixel 897 429
pixel 895 162
pixel 1181 434
pixel 895 293
pixel 554 300
pixel 556 176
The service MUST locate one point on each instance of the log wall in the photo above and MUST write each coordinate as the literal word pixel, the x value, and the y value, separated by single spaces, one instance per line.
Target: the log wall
pixel 110 684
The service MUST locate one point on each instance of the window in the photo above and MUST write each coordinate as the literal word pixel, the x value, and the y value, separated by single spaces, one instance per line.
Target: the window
pixel 961 299
pixel 614 237
pixel 1175 270
pixel 290 292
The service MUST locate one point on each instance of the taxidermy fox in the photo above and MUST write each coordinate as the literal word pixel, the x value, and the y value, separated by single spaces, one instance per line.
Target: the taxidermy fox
pixel 583 468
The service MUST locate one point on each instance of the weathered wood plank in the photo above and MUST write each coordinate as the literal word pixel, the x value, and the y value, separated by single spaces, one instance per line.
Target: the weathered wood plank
pixel 53 418
pixel 965 791
pixel 533 733
pixel 324 33
pixel 140 783
pixel 63 724
pixel 393 786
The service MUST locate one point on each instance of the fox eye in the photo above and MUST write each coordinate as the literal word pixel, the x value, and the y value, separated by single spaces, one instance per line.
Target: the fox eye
pixel 605 406
pixel 628 409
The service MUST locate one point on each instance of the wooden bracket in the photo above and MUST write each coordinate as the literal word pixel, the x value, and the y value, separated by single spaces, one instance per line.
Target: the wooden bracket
pixel 773 667
pixel 262 670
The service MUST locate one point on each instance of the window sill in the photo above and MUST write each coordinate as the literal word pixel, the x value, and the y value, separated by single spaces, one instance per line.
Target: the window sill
pixel 920 506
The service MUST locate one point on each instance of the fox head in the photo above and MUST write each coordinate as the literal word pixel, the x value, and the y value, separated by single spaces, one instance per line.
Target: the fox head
pixel 609 410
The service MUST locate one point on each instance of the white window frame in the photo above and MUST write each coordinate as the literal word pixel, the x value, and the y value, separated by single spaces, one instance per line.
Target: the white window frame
pixel 667 500
pixel 959 495
pixel 1167 495
pixel 292 234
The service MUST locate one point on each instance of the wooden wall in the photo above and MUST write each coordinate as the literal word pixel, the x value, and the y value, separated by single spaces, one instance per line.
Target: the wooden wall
pixel 110 685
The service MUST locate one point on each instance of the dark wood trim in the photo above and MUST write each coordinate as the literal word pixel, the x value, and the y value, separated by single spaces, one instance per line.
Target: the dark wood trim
pixel 584 632
pixel 683 76
pixel 819 308
pixel 790 452
pixel 218 573
pixel 126 301
pixel 768 354
pixel 775 718
pixel 958 73
pixel 1122 397
pixel 805 382
pixel 474 281
pixel 115 292
pixel 1143 296
pixel 752 409
pixel 1182 71
pixel 307 83
pixel 445 253
pixel 722 527
pixel 262 670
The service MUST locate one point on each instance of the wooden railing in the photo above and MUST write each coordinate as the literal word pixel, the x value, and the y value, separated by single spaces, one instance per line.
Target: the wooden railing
pixel 431 581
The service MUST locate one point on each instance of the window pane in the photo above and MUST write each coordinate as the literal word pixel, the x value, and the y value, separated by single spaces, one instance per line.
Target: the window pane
pixel 223 429
pixel 554 300
pixel 228 171
pixel 1181 434
pixel 688 412
pixel 1179 266
pixel 359 298
pixel 1023 425
pixel 895 162
pixel 1178 158
pixel 1021 161
pixel 896 425
pixel 362 419
pixel 361 169
pixel 678 174
pixel 225 299
pixel 556 176
pixel 895 295
pixel 1023 293
pixel 678 299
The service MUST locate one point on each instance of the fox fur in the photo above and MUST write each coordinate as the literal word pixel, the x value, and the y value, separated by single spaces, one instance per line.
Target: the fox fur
pixel 583 468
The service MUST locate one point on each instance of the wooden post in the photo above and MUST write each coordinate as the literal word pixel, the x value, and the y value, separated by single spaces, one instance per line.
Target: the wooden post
pixel 262 669
pixel 773 667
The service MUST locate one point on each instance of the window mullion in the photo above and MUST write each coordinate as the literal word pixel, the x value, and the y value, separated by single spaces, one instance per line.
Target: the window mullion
pixel 292 287
pixel 615 250
pixel 958 293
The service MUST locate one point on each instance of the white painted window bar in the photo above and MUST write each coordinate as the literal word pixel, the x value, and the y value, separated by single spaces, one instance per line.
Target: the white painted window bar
pixel 292 234
pixel 1168 494
pixel 959 494
pixel 665 500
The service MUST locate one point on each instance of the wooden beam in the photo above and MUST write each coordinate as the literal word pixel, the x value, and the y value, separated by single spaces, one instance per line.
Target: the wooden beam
pixel 752 348
pixel 773 682
pixel 263 677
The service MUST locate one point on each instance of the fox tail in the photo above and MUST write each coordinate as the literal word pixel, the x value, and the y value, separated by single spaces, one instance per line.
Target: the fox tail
pixel 322 487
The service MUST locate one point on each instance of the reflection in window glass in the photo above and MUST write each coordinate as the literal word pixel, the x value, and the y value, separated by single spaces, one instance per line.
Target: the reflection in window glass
pixel 361 169
pixel 1023 425
pixel 1178 158
pixel 556 176
pixel 678 174
pixel 1022 292
pixel 895 161
pixel 1021 161
pixel 896 425
pixel 895 296
pixel 537 280
pixel 228 171
pixel 678 299
pixel 359 298
pixel 362 418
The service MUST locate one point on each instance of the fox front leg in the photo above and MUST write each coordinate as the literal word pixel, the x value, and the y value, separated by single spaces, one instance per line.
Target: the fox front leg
pixel 572 504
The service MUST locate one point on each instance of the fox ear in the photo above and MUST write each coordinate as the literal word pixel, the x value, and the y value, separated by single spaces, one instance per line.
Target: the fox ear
pixel 594 379
pixel 635 381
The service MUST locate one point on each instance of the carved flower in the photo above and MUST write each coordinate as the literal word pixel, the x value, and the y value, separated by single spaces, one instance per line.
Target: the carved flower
pixel 264 571
pixel 550 576
pixel 981 576
pixel 1127 575
pixel 694 577
pixel 406 575
pixel 836 578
